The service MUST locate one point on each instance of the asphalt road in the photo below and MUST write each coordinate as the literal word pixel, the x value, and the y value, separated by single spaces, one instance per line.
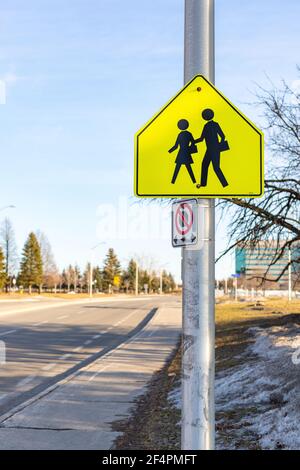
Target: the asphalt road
pixel 46 341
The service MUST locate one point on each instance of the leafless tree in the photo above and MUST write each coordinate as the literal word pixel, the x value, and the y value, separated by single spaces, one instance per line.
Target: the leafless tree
pixel 9 247
pixel 148 264
pixel 274 218
pixel 76 276
pixel 71 277
pixel 51 276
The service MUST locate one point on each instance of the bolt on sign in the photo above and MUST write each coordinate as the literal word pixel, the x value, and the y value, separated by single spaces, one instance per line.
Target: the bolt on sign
pixel 184 223
pixel 199 144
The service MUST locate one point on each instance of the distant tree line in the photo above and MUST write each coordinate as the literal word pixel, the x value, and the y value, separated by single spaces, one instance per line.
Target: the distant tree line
pixel 111 278
pixel 37 270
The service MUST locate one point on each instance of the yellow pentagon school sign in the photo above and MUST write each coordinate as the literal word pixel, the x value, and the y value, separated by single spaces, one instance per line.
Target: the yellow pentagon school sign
pixel 199 144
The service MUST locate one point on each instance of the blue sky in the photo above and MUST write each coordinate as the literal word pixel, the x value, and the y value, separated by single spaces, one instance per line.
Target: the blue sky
pixel 82 76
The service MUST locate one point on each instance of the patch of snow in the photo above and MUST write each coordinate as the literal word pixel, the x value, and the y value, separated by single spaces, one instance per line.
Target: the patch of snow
pixel 266 390
pixel 175 397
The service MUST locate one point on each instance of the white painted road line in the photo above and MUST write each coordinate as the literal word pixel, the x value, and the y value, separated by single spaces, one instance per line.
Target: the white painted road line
pixel 150 334
pixel 89 341
pixel 65 356
pixel 62 317
pixel 67 303
pixel 40 323
pixel 140 334
pixel 8 332
pixel 26 381
pixel 98 372
pixel 124 319
pixel 49 366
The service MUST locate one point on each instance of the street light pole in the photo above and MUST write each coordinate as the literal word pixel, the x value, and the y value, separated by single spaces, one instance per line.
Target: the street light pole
pixel 198 264
pixel 163 266
pixel 91 279
pixel 136 278
pixel 160 281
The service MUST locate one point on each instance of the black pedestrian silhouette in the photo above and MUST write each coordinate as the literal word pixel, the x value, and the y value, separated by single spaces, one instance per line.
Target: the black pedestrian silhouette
pixel 211 133
pixel 186 143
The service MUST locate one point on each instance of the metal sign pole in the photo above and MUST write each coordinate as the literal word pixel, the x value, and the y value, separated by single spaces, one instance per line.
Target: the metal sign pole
pixel 198 264
pixel 91 279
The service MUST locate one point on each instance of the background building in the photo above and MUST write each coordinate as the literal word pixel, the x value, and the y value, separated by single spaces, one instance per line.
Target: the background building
pixel 253 263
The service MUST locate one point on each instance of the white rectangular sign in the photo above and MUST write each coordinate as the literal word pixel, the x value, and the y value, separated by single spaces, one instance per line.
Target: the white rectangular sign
pixel 184 222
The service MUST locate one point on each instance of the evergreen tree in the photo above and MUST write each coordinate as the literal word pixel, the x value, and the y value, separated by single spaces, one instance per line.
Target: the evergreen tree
pixel 168 282
pixel 172 282
pixel 31 271
pixel 154 282
pixel 111 269
pixel 144 279
pixel 2 269
pixel 98 278
pixel 70 276
pixel 128 276
pixel 77 277
pixel 85 280
pixel 64 281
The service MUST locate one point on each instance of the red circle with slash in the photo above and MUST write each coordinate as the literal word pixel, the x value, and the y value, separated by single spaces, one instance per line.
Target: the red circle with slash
pixel 184 218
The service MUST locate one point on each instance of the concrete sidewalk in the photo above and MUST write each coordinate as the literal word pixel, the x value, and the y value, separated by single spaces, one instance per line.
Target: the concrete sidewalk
pixel 77 413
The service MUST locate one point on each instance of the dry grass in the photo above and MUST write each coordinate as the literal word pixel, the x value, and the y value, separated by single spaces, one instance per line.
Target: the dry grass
pixel 234 319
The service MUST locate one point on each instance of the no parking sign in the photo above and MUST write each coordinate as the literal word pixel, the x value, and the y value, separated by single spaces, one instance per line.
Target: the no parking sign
pixel 184 223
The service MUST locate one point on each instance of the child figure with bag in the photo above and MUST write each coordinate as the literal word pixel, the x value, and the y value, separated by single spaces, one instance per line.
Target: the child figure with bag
pixel 211 133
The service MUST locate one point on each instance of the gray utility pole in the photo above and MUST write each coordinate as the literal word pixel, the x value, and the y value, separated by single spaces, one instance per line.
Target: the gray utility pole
pixel 136 278
pixel 90 283
pixel 160 281
pixel 198 264
pixel 91 279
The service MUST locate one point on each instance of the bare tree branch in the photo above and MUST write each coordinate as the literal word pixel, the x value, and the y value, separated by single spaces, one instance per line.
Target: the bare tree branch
pixel 275 218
